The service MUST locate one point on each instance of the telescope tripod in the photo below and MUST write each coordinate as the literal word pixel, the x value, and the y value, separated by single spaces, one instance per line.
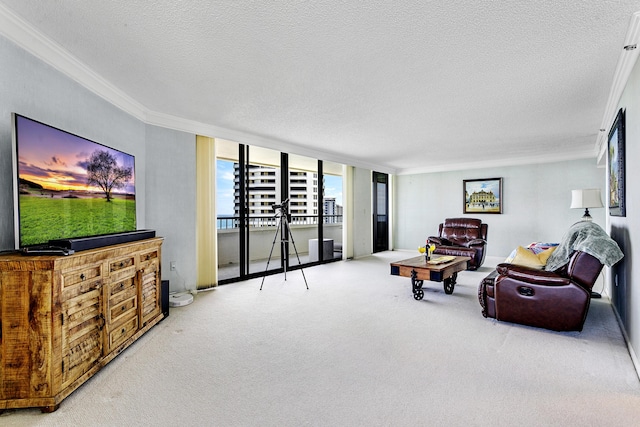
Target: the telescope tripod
pixel 285 232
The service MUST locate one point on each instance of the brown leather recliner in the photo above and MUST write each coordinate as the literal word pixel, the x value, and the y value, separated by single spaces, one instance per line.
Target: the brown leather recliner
pixel 462 237
pixel 557 300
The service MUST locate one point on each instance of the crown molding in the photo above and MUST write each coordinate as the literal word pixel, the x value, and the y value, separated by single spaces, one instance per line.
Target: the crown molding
pixel 199 128
pixel 516 161
pixel 626 62
pixel 33 41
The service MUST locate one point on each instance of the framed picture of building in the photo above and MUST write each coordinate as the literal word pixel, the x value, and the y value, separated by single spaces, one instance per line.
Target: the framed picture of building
pixel 615 162
pixel 482 196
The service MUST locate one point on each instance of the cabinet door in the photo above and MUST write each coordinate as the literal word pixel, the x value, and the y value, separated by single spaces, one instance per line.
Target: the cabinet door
pixel 82 324
pixel 82 321
pixel 25 333
pixel 150 290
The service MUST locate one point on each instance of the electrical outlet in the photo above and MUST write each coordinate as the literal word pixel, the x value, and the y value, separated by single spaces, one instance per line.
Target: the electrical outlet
pixel 172 265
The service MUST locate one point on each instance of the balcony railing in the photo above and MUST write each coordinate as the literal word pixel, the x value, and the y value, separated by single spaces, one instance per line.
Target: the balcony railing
pixel 231 222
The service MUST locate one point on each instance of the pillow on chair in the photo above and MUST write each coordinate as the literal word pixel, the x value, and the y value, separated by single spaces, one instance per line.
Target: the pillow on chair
pixel 527 258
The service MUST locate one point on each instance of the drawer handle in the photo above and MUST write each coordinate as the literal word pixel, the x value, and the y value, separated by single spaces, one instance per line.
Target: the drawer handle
pixel 82 276
pixel 121 285
pixel 121 264
pixel 123 308
pixel 123 331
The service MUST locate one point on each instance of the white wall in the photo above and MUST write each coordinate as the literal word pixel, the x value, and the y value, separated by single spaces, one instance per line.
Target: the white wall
pixel 536 200
pixel 626 230
pixel 171 202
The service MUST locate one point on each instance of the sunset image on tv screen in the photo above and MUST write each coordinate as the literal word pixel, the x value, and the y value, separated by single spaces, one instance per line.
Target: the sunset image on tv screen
pixel 70 186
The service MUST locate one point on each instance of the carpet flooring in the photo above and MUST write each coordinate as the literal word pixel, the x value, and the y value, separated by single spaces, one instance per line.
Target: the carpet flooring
pixel 356 350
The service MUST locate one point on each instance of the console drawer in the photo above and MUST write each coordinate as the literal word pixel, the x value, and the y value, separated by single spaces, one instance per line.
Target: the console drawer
pixel 122 268
pixel 79 281
pixel 121 264
pixel 149 256
pixel 118 291
pixel 122 332
pixel 123 310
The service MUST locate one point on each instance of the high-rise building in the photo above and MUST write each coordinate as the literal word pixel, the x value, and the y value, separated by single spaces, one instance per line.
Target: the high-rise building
pixel 264 192
pixel 332 211
pixel 303 194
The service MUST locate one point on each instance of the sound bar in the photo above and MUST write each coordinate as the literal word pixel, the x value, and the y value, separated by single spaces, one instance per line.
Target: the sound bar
pixel 84 243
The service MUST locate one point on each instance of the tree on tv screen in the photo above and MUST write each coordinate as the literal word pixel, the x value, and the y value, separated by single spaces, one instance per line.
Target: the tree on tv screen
pixel 104 172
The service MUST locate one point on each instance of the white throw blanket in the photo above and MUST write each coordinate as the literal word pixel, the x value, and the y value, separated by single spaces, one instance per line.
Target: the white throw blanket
pixel 588 237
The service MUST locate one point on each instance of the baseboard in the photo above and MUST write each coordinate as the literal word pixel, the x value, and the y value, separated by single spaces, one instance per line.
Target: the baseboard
pixel 632 353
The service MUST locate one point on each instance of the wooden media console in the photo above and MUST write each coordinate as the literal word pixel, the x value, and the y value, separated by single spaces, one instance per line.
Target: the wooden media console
pixel 62 318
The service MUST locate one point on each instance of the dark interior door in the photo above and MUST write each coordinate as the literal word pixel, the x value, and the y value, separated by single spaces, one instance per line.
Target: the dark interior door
pixel 380 212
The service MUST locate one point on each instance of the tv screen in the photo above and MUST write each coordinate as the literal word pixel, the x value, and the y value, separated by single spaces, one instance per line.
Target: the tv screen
pixel 67 186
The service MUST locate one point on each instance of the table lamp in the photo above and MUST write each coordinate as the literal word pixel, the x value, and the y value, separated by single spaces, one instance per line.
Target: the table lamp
pixel 585 199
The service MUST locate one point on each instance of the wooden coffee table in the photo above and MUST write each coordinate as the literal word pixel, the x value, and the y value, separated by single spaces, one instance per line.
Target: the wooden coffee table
pixel 438 269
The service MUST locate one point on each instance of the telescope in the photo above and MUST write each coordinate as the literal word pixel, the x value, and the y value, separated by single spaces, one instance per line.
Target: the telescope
pixel 282 205
pixel 285 234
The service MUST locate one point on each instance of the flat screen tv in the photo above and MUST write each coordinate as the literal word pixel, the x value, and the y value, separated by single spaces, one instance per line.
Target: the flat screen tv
pixel 66 186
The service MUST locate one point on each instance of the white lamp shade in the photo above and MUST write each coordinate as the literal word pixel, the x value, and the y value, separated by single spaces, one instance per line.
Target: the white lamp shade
pixel 589 198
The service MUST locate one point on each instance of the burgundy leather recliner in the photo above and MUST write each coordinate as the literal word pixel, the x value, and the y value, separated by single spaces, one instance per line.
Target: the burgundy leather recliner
pixel 557 300
pixel 462 237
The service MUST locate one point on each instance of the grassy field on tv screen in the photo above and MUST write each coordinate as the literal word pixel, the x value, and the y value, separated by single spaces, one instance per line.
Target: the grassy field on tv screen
pixel 46 218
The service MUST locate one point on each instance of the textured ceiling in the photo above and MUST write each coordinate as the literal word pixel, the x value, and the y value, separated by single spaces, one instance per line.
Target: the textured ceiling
pixel 399 85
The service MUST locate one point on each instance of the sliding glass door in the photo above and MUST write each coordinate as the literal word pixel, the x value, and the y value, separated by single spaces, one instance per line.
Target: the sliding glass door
pixel 227 211
pixel 256 189
pixel 262 191
pixel 302 187
pixel 332 210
